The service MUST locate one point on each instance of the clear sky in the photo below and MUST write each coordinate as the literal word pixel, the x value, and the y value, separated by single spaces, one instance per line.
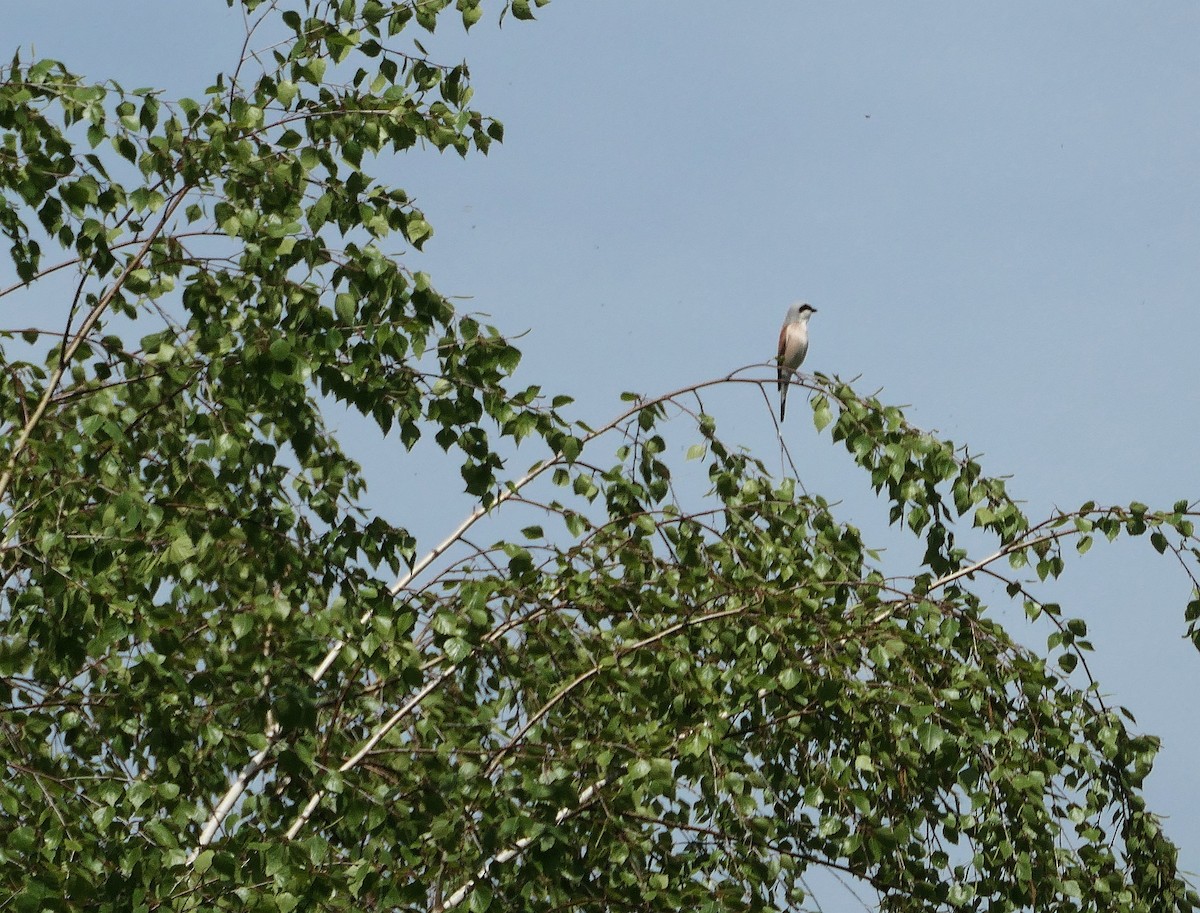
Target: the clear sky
pixel 996 211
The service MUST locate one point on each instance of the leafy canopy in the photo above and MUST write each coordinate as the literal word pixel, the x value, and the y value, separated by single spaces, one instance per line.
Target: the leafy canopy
pixel 230 685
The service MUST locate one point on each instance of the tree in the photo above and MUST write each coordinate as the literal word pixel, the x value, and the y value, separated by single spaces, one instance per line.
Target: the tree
pixel 221 696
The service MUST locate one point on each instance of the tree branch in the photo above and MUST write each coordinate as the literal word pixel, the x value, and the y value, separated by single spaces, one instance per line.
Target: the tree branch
pixel 89 322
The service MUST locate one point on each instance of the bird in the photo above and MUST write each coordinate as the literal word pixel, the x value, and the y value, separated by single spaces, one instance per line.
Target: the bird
pixel 793 346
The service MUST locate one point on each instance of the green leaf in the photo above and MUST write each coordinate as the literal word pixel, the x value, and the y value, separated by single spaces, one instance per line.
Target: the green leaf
pixel 930 737
pixel 822 414
pixel 181 548
pixel 318 213
pixel 203 862
pixel 470 15
pixel 346 306
pixel 481 897
pixel 286 92
pixel 417 230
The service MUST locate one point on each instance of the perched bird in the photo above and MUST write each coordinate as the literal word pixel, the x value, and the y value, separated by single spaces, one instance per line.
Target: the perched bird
pixel 793 346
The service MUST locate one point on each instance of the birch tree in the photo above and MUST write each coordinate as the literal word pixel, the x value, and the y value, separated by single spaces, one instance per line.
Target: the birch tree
pixel 230 684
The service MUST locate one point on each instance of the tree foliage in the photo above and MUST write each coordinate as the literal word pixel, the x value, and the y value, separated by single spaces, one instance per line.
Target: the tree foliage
pixel 230 685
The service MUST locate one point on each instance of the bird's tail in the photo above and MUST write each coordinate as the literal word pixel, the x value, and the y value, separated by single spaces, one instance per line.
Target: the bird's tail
pixel 783 388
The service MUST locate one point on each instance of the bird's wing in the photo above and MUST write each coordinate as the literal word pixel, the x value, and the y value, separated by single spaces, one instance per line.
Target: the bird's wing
pixel 783 341
pixel 787 352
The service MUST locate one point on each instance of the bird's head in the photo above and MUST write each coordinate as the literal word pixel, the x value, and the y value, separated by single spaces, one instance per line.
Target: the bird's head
pixel 799 311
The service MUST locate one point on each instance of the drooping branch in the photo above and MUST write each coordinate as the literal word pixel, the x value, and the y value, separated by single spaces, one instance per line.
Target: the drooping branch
pixel 89 322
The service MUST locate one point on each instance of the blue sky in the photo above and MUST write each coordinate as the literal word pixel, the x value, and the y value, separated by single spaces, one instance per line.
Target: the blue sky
pixel 995 210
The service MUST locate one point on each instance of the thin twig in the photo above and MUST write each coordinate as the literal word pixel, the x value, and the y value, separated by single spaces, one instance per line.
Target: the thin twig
pixel 89 322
